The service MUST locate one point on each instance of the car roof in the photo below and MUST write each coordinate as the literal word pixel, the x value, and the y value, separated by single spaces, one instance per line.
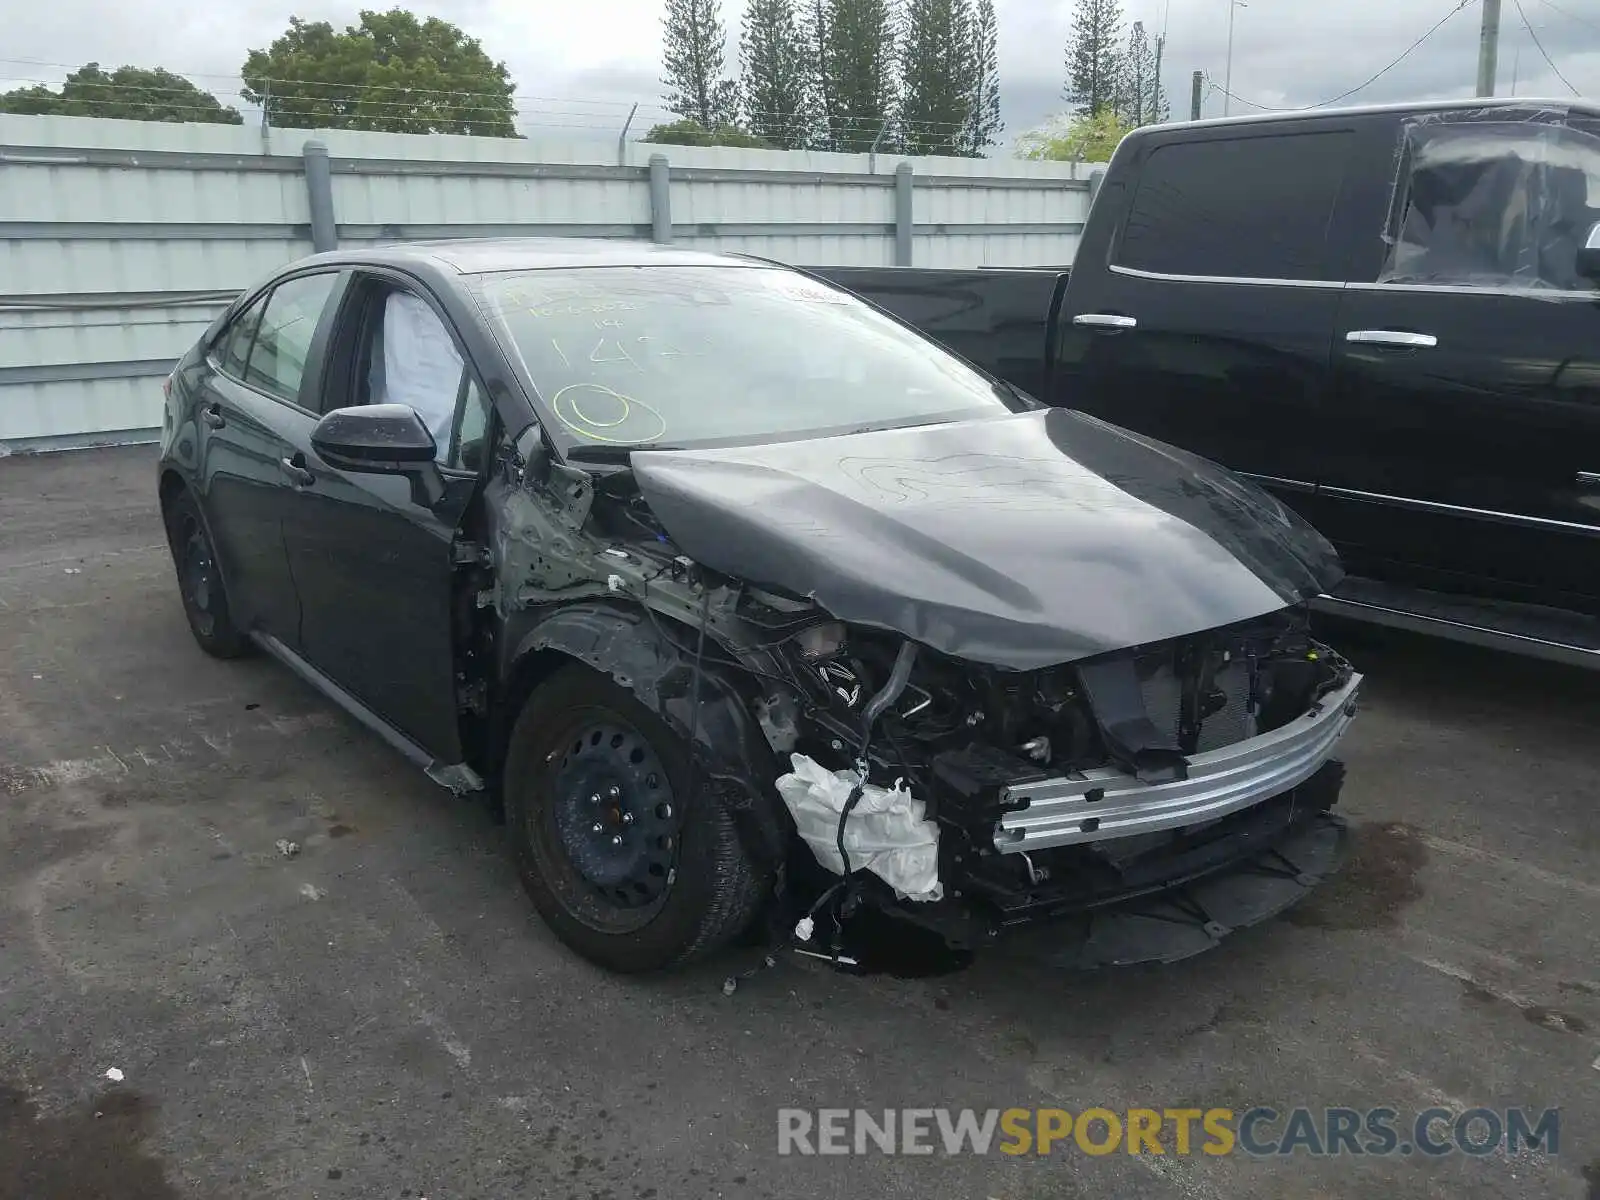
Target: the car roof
pixel 1569 104
pixel 470 256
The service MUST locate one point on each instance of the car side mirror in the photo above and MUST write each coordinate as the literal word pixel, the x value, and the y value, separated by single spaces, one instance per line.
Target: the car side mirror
pixel 381 439
pixel 373 437
pixel 1589 254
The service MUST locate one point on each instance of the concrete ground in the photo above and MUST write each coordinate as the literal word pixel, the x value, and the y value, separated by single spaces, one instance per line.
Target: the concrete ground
pixel 382 1015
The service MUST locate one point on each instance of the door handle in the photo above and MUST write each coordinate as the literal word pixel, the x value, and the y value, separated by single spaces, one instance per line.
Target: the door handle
pixel 1105 321
pixel 296 471
pixel 211 414
pixel 1392 337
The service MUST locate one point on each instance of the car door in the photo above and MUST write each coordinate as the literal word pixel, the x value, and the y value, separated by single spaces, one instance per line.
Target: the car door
pixel 1465 455
pixel 1203 316
pixel 997 319
pixel 248 400
pixel 372 558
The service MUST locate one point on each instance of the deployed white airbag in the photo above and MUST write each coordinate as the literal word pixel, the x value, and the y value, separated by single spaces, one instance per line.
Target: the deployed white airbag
pixel 886 832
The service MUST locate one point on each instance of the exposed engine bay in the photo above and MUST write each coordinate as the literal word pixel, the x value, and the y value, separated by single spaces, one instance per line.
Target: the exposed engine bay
pixel 1029 793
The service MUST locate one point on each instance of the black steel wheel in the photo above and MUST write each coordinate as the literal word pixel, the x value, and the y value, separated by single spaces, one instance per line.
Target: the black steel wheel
pixel 205 600
pixel 611 816
pixel 623 862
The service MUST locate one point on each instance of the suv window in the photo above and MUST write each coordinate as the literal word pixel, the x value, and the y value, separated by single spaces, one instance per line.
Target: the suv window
pixel 277 361
pixel 1493 204
pixel 1255 207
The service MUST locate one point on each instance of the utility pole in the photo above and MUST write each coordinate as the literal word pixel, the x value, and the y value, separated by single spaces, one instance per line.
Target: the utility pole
pixel 1158 93
pixel 1194 95
pixel 1227 71
pixel 1488 47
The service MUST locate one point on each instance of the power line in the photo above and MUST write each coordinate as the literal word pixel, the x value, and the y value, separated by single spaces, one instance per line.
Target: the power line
pixel 1571 16
pixel 1539 46
pixel 129 95
pixel 1366 83
pixel 290 101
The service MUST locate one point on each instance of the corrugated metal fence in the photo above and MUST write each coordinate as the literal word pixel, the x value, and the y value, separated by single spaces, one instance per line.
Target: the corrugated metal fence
pixel 121 240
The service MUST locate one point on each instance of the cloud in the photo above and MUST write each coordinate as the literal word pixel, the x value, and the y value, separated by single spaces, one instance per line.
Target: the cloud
pixel 586 64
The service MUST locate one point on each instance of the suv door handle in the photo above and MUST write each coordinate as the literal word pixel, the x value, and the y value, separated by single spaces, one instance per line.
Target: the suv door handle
pixel 1105 321
pixel 1392 337
pixel 211 414
pixel 295 469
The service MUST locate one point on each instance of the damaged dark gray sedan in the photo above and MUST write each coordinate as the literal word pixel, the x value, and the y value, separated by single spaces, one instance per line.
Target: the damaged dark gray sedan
pixel 758 612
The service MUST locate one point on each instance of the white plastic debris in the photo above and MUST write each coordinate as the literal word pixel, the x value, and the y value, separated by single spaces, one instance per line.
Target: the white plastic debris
pixel 114 1074
pixel 887 832
pixel 287 848
pixel 616 583
pixel 804 928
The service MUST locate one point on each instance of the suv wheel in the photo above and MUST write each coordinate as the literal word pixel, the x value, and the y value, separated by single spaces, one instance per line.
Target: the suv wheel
pixel 625 863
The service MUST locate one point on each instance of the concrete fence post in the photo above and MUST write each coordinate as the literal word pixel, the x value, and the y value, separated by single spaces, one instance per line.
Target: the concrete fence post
pixel 660 199
pixel 319 194
pixel 1096 178
pixel 902 215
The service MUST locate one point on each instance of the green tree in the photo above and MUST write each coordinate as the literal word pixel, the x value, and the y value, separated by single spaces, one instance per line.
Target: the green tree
pixel 814 29
pixel 1093 57
pixel 694 49
pixel 128 93
pixel 855 56
pixel 692 133
pixel 389 72
pixel 775 75
pixel 937 84
pixel 1088 137
pixel 984 124
pixel 1141 100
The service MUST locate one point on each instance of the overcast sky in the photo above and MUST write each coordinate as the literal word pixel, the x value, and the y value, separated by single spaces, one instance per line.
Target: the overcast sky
pixel 583 66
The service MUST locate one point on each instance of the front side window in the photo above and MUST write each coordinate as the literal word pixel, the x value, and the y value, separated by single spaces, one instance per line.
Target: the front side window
pixel 412 359
pixel 1255 207
pixel 1493 204
pixel 683 355
pixel 277 362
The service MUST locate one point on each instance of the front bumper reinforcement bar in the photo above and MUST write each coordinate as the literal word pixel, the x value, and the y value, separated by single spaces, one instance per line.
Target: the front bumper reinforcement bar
pixel 1104 803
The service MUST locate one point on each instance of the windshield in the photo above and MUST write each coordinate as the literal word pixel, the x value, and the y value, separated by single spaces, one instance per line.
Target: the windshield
pixel 683 355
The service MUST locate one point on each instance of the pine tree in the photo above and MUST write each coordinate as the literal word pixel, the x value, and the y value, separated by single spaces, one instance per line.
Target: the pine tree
pixel 1141 100
pixel 1093 57
pixel 984 124
pixel 937 96
pixel 775 75
pixel 693 57
pixel 855 43
pixel 814 29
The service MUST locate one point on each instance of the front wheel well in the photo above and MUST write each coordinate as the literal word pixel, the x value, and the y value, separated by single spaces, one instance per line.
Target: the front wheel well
pixel 524 678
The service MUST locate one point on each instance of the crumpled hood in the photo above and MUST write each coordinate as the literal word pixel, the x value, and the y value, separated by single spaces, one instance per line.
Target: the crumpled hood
pixel 1021 541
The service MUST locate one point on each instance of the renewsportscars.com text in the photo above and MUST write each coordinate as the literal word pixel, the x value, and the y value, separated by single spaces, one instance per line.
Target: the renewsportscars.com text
pixel 1257 1132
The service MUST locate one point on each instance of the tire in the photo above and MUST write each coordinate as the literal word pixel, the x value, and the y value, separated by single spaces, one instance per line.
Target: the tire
pixel 586 771
pixel 205 601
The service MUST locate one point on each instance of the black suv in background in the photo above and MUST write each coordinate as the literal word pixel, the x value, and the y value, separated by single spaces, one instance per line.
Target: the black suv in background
pixel 1388 316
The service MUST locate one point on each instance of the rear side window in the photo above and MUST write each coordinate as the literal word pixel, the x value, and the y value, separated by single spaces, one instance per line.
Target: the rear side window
pixel 277 360
pixel 1241 208
pixel 234 348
